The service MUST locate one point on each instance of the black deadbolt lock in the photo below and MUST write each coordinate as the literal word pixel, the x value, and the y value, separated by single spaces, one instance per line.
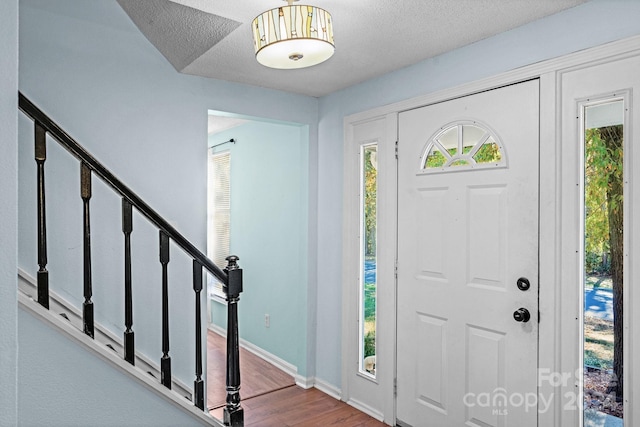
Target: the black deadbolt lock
pixel 523 284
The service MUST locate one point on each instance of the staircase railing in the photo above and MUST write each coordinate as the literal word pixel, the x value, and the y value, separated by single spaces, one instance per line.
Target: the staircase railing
pixel 230 276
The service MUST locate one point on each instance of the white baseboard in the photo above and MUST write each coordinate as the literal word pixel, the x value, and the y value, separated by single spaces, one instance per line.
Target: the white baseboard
pixel 327 388
pixel 305 382
pixel 366 409
pixel 301 381
pixel 290 369
pixel 283 365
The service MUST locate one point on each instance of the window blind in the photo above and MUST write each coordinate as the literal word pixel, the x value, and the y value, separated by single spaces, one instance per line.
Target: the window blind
pixel 219 214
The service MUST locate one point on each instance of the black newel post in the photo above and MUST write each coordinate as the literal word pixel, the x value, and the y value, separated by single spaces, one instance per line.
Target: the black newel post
pixel 165 362
pixel 43 274
pixel 127 228
pixel 87 305
pixel 233 412
pixel 198 384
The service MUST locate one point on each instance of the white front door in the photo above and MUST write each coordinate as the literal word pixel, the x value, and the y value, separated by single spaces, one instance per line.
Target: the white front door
pixel 467 239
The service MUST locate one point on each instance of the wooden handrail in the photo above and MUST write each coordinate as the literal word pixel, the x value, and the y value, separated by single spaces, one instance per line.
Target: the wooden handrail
pixel 70 144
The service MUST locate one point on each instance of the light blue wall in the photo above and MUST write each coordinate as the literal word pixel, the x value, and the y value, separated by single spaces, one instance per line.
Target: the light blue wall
pixel 88 66
pixel 269 231
pixel 102 396
pixel 8 210
pixel 591 24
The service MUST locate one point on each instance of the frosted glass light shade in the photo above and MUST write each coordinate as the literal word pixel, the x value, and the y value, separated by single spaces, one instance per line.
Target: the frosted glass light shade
pixel 293 37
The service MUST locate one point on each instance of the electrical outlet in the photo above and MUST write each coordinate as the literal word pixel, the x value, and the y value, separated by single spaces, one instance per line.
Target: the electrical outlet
pixel 267 320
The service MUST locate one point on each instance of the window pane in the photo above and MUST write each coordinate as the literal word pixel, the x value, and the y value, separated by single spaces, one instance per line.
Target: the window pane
pixel 368 290
pixel 459 163
pixel 603 260
pixel 463 145
pixel 471 134
pixel 488 153
pixel 435 159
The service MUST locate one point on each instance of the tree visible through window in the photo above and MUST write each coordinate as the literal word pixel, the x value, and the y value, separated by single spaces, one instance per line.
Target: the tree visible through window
pixel 368 290
pixel 603 259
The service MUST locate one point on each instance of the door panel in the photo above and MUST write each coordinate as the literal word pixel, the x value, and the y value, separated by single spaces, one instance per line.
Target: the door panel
pixel 466 234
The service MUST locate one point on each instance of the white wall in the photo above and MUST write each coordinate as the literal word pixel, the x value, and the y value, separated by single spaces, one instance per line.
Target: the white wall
pixel 8 210
pixel 591 24
pixel 88 67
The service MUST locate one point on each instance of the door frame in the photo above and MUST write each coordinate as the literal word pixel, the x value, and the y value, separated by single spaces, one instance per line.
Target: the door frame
pixel 553 358
pixel 572 103
pixel 358 390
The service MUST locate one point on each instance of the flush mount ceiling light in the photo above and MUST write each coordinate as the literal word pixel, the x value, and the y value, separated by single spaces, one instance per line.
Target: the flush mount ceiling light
pixel 293 36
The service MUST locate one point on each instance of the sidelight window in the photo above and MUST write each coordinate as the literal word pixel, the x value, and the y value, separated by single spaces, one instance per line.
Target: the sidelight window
pixel 368 258
pixel 603 259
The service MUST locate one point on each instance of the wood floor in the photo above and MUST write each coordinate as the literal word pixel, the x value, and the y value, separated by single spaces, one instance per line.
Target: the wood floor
pixel 256 376
pixel 270 397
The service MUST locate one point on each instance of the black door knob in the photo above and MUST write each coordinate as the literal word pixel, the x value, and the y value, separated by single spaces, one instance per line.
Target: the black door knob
pixel 522 315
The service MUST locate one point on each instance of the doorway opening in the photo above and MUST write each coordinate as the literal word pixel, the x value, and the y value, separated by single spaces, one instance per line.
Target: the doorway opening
pixel 258 209
pixel 603 259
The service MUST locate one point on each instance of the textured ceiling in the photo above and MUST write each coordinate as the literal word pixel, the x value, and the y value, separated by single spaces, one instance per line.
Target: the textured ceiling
pixel 212 38
pixel 182 34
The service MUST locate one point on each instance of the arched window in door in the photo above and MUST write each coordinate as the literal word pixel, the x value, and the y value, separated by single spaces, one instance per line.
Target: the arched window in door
pixel 461 145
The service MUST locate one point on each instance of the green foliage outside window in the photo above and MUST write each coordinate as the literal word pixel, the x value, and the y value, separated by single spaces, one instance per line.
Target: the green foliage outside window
pixel 603 163
pixel 488 153
pixel 370 200
pixel 370 225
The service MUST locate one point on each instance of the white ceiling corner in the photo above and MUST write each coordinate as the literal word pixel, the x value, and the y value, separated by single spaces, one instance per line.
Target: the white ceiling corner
pixel 218 124
pixel 372 38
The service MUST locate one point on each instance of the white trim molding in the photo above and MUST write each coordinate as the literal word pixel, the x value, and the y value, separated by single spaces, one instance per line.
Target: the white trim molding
pixel 279 363
pixel 327 388
pixel 286 367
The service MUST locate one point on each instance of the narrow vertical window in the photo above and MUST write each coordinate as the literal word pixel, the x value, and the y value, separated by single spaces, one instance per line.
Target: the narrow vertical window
pixel 368 258
pixel 219 215
pixel 603 256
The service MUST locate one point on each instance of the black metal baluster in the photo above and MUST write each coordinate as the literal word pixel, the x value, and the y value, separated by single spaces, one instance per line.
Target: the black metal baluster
pixel 165 362
pixel 43 274
pixel 87 305
pixel 233 412
pixel 198 384
pixel 127 228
